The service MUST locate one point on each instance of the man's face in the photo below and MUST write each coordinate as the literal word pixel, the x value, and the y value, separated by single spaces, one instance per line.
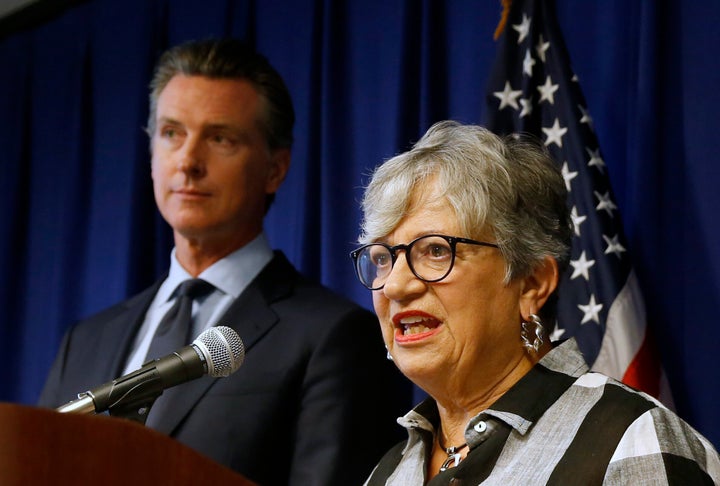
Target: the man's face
pixel 211 165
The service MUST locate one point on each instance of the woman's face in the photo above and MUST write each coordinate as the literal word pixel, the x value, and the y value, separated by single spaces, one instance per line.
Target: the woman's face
pixel 459 327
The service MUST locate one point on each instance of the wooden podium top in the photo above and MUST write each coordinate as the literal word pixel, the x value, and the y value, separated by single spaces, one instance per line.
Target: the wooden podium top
pixel 41 446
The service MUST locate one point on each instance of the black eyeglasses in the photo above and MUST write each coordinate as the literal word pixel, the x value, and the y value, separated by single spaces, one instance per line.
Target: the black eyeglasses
pixel 430 258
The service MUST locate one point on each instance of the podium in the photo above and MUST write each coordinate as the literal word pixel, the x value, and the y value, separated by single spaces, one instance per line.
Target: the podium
pixel 42 446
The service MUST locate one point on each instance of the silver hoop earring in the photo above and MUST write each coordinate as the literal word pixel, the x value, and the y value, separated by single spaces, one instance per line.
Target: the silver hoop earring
pixel 537 334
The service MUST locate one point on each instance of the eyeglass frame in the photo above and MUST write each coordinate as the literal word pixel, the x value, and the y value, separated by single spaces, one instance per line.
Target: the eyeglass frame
pixel 451 240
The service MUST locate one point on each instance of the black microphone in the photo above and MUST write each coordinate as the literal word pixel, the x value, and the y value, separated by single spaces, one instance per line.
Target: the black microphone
pixel 217 352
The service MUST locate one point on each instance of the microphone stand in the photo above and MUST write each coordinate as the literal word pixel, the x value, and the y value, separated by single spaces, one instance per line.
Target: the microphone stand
pixel 132 395
pixel 217 352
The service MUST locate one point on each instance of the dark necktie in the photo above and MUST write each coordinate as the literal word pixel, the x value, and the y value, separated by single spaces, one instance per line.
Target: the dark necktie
pixel 173 332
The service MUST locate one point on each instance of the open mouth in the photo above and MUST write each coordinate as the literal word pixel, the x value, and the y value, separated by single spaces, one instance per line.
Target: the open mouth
pixel 415 327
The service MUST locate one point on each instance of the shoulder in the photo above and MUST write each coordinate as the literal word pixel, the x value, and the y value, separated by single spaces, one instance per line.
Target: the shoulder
pixel 650 441
pixel 111 327
pixel 139 301
pixel 614 434
pixel 660 441
pixel 288 291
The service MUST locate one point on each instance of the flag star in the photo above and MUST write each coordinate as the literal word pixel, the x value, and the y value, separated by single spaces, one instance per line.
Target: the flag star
pixel 508 96
pixel 547 91
pixel 567 175
pixel 605 202
pixel 528 63
pixel 614 245
pixel 591 310
pixel 581 267
pixel 595 159
pixel 586 118
pixel 583 304
pixel 554 134
pixel 523 28
pixel 527 107
pixel 577 220
pixel 557 333
pixel 541 48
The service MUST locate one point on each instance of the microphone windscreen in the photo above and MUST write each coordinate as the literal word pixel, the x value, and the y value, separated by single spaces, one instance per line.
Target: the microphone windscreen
pixel 223 350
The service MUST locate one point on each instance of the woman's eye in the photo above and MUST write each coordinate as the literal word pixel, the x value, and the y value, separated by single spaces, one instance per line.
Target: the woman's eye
pixel 381 260
pixel 438 250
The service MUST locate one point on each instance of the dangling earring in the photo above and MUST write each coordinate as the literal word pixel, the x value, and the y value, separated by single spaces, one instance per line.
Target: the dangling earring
pixel 389 356
pixel 538 333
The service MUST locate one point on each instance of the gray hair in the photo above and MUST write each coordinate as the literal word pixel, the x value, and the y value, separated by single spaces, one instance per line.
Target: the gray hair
pixel 508 185
pixel 230 59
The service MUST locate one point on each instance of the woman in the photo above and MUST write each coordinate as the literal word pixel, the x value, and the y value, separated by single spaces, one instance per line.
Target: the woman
pixel 465 237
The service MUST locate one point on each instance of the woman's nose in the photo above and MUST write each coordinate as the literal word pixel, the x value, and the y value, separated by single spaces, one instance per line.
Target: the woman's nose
pixel 402 283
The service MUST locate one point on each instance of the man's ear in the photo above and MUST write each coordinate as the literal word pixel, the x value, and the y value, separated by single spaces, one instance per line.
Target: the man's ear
pixel 538 286
pixel 280 164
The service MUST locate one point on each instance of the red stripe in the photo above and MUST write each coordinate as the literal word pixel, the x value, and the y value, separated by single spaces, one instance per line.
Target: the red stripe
pixel 644 371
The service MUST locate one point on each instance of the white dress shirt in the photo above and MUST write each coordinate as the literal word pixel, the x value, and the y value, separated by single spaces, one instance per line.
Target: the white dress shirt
pixel 230 276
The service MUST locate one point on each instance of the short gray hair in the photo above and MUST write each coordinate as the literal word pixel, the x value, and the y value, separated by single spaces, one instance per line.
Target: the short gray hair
pixel 508 185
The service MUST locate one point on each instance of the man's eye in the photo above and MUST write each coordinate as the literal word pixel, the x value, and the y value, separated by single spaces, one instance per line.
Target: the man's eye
pixel 223 140
pixel 168 132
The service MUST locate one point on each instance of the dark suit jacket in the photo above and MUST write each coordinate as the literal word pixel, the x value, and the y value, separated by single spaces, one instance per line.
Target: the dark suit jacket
pixel 314 403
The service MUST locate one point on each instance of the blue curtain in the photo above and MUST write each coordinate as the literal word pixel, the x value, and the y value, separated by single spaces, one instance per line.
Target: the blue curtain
pixel 79 225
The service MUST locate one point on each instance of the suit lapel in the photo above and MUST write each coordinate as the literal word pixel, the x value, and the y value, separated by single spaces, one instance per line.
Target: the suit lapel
pixel 251 317
pixel 114 338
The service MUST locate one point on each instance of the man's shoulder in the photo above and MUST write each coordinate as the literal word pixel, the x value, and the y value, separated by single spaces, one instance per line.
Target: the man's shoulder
pixel 140 300
pixel 317 302
pixel 280 273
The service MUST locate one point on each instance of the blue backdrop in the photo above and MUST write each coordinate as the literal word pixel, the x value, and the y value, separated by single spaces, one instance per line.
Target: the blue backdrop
pixel 80 229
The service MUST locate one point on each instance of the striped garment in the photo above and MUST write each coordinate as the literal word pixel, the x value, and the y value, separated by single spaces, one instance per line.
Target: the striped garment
pixel 561 425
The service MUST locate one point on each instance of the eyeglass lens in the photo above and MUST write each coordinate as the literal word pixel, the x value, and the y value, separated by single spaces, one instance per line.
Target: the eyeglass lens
pixel 430 258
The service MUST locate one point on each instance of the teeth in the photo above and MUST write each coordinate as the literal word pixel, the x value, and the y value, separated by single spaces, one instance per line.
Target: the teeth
pixel 408 330
pixel 417 324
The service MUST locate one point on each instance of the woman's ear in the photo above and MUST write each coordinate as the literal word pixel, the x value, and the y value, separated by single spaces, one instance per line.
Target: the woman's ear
pixel 538 286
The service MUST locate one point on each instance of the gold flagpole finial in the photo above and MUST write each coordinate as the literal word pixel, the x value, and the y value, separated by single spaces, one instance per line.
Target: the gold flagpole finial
pixel 503 18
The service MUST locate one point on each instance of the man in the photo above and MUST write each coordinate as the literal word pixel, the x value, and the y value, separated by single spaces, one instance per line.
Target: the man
pixel 315 400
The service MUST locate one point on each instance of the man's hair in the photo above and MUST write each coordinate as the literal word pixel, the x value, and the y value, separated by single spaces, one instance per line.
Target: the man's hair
pixel 230 59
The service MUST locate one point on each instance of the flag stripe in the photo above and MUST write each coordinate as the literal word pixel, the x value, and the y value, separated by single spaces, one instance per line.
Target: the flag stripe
pixel 621 342
pixel 643 371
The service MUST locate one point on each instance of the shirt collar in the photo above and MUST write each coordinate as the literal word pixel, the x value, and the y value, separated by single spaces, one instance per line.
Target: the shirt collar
pixel 524 403
pixel 231 274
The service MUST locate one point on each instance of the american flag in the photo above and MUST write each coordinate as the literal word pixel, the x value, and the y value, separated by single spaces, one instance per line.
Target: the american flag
pixel 534 90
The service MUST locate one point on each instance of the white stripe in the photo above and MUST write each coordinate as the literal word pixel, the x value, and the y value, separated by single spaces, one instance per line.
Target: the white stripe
pixel 534 456
pixel 592 380
pixel 640 439
pixel 625 331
